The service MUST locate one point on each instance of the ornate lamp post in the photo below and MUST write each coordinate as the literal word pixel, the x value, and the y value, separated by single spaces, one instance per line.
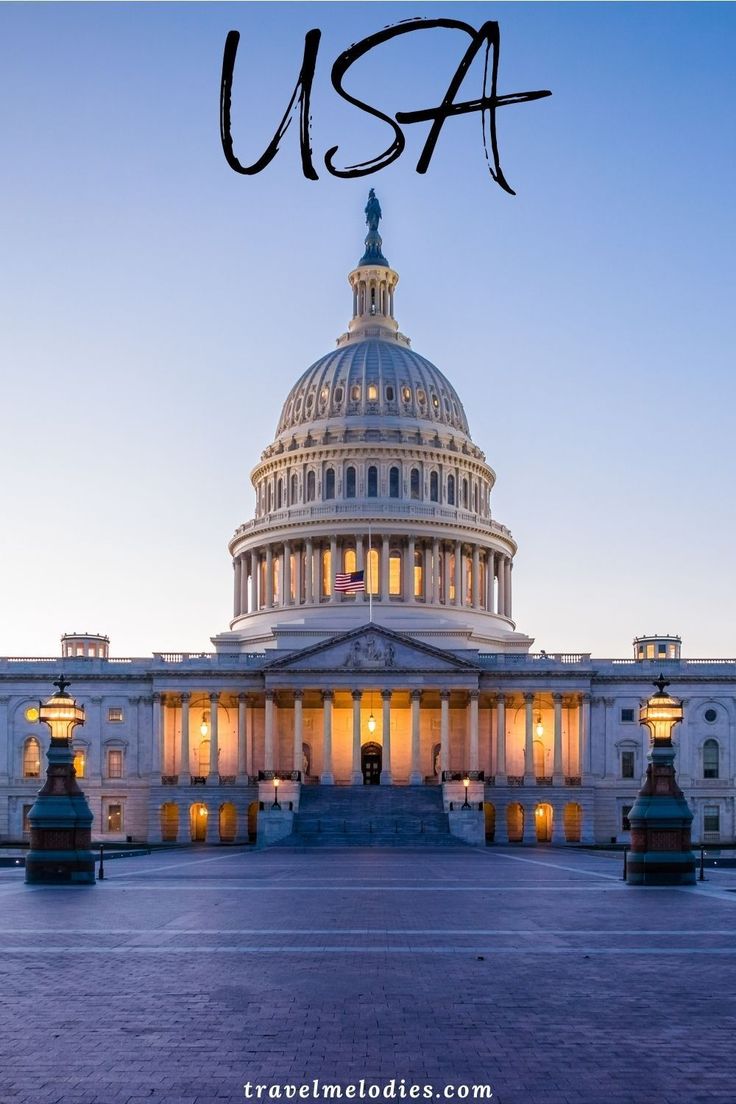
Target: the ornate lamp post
pixel 276 802
pixel 660 817
pixel 466 784
pixel 60 819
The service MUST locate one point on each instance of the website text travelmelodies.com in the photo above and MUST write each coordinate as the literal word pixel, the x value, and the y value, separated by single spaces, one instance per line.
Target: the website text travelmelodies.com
pixel 360 1090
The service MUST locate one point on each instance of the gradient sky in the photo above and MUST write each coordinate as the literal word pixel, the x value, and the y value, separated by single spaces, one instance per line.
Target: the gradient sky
pixel 157 307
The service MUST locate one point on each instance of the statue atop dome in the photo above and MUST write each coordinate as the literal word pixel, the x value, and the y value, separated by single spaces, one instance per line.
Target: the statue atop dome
pixel 373 242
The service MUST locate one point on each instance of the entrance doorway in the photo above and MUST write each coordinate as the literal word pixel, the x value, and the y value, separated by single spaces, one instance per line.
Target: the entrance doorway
pixel 371 758
pixel 543 820
pixel 198 823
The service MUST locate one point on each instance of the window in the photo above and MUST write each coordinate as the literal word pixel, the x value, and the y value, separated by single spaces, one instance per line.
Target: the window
pixel 371 575
pixel 625 822
pixel 114 763
pixel 711 818
pixel 330 483
pixel 372 481
pixel 468 561
pixel 475 497
pixel 350 560
pixel 80 763
pixel 294 485
pixel 627 716
pixel 421 396
pixel 452 577
pixel 326 573
pixel 114 817
pixel 710 715
pixel 394 574
pixel 350 483
pixel 628 761
pixel 31 758
pixel 355 392
pixel 389 394
pixel 393 483
pixel 414 483
pixel 276 576
pixel 269 499
pixel 311 485
pixel 114 713
pixel 338 395
pixel 372 392
pixel 418 574
pixel 279 494
pixel 262 584
pixel 292 577
pixel 31 714
pixel 406 394
pixel 465 493
pixel 710 759
pixel 324 395
pixel 451 490
pixel 434 487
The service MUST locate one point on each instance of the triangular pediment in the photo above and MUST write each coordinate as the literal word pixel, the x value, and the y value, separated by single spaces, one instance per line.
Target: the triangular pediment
pixel 372 648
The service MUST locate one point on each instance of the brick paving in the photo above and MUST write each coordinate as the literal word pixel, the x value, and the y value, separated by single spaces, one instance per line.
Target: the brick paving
pixel 186 974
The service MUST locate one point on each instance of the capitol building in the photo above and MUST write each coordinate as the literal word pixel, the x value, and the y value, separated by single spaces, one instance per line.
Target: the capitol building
pixel 406 693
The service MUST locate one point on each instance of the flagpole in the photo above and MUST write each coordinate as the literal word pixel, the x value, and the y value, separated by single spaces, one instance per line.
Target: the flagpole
pixel 370 587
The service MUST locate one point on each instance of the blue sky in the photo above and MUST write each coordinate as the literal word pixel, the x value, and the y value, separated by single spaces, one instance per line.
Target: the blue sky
pixel 157 307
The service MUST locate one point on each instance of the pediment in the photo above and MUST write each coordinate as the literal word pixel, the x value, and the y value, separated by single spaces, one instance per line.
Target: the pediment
pixel 372 648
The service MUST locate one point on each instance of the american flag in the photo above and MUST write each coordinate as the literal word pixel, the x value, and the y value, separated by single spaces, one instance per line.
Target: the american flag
pixel 349 582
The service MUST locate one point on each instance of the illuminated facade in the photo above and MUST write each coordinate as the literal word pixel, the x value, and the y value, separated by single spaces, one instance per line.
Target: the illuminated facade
pixel 417 682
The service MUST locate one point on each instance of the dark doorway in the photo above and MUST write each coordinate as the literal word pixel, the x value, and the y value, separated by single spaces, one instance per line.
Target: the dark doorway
pixel 370 763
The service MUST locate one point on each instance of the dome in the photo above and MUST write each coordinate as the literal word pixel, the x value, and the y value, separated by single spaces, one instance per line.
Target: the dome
pixel 372 377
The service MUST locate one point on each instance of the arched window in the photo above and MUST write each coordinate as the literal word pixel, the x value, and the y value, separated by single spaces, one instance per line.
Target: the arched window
pixel 349 563
pixel 326 573
pixel 373 481
pixel 418 573
pixel 115 763
pixel 434 487
pixel 468 580
pixel 31 758
pixel 276 575
pixel 294 485
pixel 451 490
pixel 710 759
pixel 393 483
pixel 371 572
pixel 279 494
pixel 475 498
pixel 262 584
pixel 465 493
pixel 330 483
pixel 269 499
pixel 451 569
pixel 80 762
pixel 311 484
pixel 350 483
pixel 394 573
pixel 414 483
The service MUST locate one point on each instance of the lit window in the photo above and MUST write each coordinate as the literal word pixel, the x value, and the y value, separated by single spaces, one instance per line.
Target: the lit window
pixel 114 818
pixel 627 764
pixel 204 757
pixel 372 392
pixel 114 763
pixel 406 394
pixel 710 759
pixel 292 577
pixel 650 651
pixel 114 713
pixel 31 758
pixel 711 818
pixel 468 580
pixel 371 577
pixel 276 569
pixel 627 716
pixel 355 392
pixel 326 573
pixel 421 396
pixel 80 763
pixel 31 714
pixel 435 401
pixel 394 574
pixel 452 576
pixel 350 560
pixel 418 574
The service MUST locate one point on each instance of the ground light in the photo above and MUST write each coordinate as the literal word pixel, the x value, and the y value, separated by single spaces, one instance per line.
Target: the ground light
pixel 660 817
pixel 60 819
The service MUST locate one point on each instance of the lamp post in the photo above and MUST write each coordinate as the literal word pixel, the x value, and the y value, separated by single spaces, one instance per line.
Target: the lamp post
pixel 276 804
pixel 466 784
pixel 660 817
pixel 60 819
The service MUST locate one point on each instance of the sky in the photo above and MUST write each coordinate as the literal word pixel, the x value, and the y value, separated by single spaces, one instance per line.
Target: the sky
pixel 157 307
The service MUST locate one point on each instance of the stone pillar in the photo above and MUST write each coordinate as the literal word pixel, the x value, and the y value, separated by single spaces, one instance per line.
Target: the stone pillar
pixel 333 568
pixel 385 553
pixel 584 738
pixel 410 571
pixel 327 778
pixel 356 778
pixel 529 774
pixel 268 757
pixel 473 727
pixel 435 572
pixel 318 573
pixel 286 575
pixel 242 777
pixel 558 823
pixel 237 583
pixel 444 730
pixel 509 569
pixel 269 577
pixel 213 778
pixel 7 771
pixel 446 571
pixel 184 774
pixel 159 707
pixel 298 730
pixel 386 774
pixel 309 572
pixel 500 772
pixel 254 573
pixel 458 573
pixel 477 597
pixel 250 766
pixel 501 834
pixel 490 575
pixel 299 574
pixel 530 823
pixel 501 597
pixel 244 573
pixel 558 774
pixel 415 777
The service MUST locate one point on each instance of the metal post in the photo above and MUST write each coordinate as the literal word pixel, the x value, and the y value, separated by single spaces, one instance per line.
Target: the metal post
pixel 101 873
pixel 626 856
pixel 702 864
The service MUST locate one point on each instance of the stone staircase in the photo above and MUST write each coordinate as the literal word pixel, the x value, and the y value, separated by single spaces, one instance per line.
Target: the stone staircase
pixel 370 816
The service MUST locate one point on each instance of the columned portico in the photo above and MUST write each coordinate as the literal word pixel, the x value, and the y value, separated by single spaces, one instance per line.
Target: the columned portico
pixel 327 777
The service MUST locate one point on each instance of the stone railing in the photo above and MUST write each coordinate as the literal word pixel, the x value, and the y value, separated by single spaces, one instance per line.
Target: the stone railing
pixel 283 776
pixel 544 780
pixel 460 776
pixel 573 780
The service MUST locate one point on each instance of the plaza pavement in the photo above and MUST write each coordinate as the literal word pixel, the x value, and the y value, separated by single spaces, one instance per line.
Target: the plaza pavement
pixel 185 974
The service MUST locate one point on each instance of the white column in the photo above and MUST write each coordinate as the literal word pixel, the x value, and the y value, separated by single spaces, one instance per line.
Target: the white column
pixel 529 775
pixel 458 573
pixel 509 569
pixel 500 771
pixel 558 777
pixel 254 573
pixel 184 774
pixel 298 730
pixel 309 572
pixel 476 578
pixel 386 774
pixel 444 730
pixel 409 597
pixel 242 739
pixel 286 575
pixel 474 695
pixel 385 553
pixel 446 571
pixel 415 777
pixel 269 577
pixel 268 739
pixel 427 572
pixel 213 778
pixel 361 596
pixel 327 778
pixel 237 583
pixel 159 717
pixel 333 568
pixel 584 738
pixel 501 598
pixel 490 574
pixel 435 572
pixel 356 777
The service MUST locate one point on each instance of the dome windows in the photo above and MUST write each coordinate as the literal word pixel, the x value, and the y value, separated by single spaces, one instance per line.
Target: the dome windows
pixel 372 481
pixel 355 393
pixel 372 392
pixel 393 483
pixel 415 483
pixel 406 394
pixel 711 716
pixel 434 487
pixel 330 483
pixel 421 396
pixel 311 486
pixel 435 401
pixel 324 395
pixel 338 395
pixel 350 482
pixel 451 490
pixel 390 393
